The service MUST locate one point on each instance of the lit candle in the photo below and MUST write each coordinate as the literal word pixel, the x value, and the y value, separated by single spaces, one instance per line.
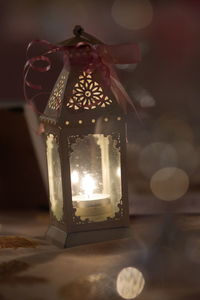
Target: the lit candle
pixel 90 204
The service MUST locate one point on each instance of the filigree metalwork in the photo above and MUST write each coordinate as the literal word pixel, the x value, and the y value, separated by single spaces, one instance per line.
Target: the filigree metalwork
pixel 87 94
pixel 72 141
pixel 57 94
pixel 77 219
pixel 119 214
pixel 115 138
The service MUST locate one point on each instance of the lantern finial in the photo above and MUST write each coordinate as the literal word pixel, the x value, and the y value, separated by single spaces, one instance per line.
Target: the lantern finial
pixel 78 30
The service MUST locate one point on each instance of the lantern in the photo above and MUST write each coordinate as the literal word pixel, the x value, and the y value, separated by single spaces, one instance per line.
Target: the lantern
pixel 85 133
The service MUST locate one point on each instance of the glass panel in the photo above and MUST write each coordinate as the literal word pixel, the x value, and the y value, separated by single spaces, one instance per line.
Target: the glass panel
pixel 54 173
pixel 95 176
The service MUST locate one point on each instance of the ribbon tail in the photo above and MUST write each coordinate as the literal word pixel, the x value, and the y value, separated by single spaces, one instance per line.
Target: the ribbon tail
pixel 121 95
pixel 30 65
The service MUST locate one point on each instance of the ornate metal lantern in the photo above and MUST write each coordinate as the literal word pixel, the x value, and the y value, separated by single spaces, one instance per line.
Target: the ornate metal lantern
pixel 85 132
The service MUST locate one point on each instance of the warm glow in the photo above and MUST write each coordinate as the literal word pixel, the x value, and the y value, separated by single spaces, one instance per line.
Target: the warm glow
pixel 88 185
pixel 130 283
pixel 75 177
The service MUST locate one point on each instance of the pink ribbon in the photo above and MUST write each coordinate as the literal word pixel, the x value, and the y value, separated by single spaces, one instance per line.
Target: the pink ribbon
pixel 101 57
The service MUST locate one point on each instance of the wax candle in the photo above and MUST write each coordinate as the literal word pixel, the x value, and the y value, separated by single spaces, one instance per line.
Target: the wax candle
pixel 92 205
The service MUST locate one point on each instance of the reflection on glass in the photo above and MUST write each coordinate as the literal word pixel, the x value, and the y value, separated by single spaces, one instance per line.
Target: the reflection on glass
pixel 130 283
pixel 95 177
pixel 54 173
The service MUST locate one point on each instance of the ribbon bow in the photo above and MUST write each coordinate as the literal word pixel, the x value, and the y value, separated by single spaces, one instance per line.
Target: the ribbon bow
pixel 101 56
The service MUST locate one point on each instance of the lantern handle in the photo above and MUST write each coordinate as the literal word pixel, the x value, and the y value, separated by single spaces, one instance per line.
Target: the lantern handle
pixel 78 30
pixel 80 34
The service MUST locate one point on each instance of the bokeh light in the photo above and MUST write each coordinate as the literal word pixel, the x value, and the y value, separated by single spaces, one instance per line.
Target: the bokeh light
pixel 132 14
pixel 169 183
pixel 143 97
pixel 156 156
pixel 130 283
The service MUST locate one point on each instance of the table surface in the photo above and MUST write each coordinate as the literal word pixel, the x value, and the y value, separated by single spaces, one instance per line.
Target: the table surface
pixel 165 249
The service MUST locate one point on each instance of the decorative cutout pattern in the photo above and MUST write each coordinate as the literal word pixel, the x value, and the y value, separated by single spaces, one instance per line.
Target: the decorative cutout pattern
pixel 87 94
pixel 57 94
pixel 77 219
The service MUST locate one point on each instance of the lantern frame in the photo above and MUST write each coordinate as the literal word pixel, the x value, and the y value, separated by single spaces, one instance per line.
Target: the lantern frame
pixel 71 230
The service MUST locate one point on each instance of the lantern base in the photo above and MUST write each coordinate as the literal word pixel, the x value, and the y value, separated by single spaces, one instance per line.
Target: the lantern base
pixel 66 240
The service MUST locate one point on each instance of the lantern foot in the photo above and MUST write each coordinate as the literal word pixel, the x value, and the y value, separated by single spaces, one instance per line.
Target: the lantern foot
pixel 66 240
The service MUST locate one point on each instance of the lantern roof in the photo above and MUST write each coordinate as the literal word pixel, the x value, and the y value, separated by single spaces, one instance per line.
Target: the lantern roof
pixel 83 85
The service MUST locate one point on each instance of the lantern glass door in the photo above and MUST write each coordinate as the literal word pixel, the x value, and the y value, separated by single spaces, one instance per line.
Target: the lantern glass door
pixel 54 174
pixel 95 167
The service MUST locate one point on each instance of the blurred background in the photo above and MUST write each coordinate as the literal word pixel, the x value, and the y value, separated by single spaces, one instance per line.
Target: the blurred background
pixel 164 151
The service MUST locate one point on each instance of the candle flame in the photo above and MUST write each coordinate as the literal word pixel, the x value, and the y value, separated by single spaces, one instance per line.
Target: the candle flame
pixel 88 185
